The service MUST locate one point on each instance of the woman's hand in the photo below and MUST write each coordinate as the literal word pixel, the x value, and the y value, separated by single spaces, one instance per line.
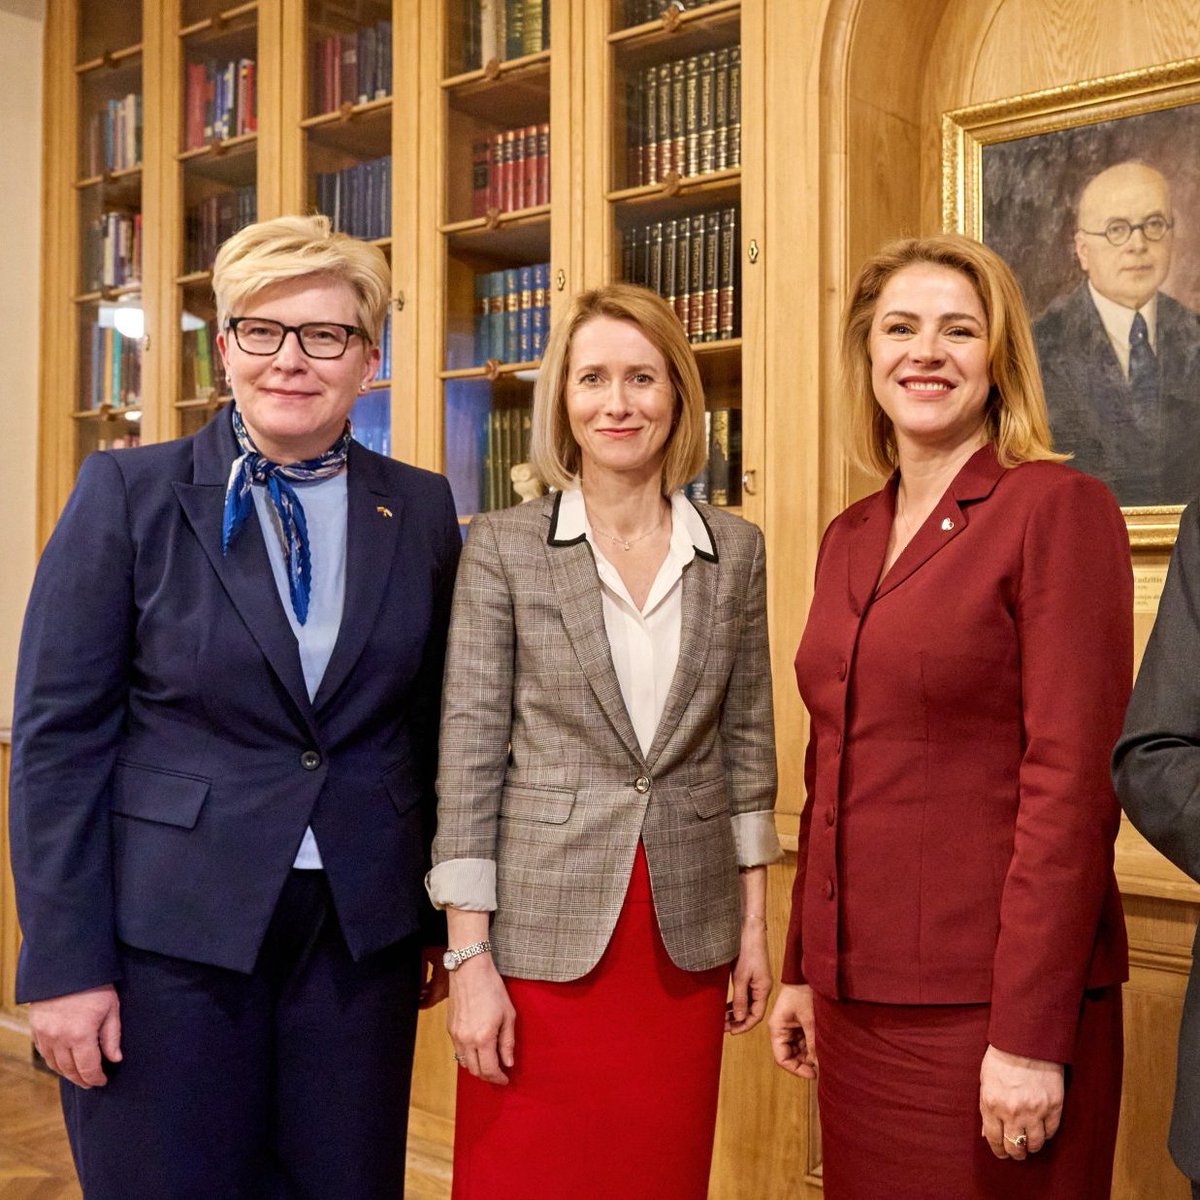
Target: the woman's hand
pixel 794 1030
pixel 751 978
pixel 1019 1098
pixel 482 1021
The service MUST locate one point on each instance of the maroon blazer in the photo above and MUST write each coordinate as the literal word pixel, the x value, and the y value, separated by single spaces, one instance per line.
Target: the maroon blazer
pixel 956 845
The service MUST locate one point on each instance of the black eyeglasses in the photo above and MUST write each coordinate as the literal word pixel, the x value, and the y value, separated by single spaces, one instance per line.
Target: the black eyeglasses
pixel 318 339
pixel 1119 231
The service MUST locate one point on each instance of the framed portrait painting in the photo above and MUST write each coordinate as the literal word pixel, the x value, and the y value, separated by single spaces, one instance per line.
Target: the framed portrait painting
pixel 1091 193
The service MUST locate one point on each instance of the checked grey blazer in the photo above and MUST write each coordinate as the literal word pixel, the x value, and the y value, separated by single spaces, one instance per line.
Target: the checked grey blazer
pixel 543 789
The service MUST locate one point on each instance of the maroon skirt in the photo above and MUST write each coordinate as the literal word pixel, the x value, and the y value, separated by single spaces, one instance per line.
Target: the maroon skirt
pixel 898 1092
pixel 614 1091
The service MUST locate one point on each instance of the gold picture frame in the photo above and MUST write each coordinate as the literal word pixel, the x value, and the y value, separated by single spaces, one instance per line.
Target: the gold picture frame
pixel 1036 151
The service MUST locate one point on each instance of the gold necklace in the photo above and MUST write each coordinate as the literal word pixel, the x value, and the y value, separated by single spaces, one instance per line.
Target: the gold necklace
pixel 629 543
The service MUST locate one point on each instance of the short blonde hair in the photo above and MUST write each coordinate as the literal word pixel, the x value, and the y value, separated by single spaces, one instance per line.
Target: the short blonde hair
pixel 553 450
pixel 291 247
pixel 1016 419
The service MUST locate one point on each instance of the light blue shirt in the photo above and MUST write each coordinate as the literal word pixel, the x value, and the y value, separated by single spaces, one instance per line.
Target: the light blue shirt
pixel 325 511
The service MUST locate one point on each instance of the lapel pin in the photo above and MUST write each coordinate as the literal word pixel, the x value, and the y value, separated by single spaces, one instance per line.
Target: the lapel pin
pixel 947 524
pixel 383 511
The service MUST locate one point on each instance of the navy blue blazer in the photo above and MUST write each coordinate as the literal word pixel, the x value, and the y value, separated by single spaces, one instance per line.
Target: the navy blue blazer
pixel 1091 405
pixel 166 758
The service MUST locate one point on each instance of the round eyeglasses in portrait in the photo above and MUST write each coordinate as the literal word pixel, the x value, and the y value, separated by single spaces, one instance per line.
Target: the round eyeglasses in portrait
pixel 1118 231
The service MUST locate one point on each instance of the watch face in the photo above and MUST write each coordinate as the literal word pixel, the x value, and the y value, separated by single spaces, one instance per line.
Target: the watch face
pixel 449 960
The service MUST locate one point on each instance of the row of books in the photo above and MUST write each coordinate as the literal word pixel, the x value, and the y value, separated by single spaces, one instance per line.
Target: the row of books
pixel 501 29
pixel 202 372
pixel 719 481
pixel 112 251
pixel 358 199
pixel 512 312
pixel 207 224
pixel 636 12
pixel 511 170
pixel 352 67
pixel 692 262
pixel 114 137
pixel 505 438
pixel 220 101
pixel 110 367
pixel 685 116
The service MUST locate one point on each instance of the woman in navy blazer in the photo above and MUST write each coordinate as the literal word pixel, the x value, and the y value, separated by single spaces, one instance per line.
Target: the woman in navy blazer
pixel 956 943
pixel 223 764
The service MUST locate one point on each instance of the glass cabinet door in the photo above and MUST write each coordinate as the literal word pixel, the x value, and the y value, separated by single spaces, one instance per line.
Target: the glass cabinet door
pixel 108 187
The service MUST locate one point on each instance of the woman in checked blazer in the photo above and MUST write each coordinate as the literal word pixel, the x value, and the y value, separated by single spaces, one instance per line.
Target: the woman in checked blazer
pixel 607 774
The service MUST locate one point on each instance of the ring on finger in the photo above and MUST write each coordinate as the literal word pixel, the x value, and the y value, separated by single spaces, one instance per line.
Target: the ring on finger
pixel 459 1058
pixel 1020 1141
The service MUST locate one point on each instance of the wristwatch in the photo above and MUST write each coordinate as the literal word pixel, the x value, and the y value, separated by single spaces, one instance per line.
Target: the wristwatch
pixel 453 959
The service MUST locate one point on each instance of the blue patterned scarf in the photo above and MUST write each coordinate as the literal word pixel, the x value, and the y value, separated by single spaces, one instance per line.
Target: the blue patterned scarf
pixel 249 468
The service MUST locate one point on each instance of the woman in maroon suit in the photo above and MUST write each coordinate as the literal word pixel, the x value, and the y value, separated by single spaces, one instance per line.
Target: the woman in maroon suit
pixel 956 945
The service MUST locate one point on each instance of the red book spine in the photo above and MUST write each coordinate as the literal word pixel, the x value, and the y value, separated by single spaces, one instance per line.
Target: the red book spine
pixel 194 135
pixel 543 163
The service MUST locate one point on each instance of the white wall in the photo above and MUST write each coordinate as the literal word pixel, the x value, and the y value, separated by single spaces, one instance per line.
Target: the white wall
pixel 21 24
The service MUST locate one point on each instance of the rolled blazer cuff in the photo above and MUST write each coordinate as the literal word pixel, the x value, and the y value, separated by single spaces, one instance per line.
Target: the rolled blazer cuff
pixel 466 883
pixel 756 839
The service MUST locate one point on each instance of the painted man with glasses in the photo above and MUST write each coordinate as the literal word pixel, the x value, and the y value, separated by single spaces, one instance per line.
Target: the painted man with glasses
pixel 1119 357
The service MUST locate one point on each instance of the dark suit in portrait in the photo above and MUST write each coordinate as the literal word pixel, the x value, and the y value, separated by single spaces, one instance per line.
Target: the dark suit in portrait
pixel 1145 457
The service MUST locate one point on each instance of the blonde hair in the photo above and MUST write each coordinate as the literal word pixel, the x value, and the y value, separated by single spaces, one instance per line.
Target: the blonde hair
pixel 291 247
pixel 1015 414
pixel 553 450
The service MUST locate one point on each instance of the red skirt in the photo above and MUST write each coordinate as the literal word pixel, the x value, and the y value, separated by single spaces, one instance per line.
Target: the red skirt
pixel 898 1091
pixel 614 1091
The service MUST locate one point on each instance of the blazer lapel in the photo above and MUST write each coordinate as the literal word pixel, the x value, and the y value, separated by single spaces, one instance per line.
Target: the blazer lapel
pixel 695 637
pixel 576 586
pixel 374 519
pixel 868 548
pixel 975 481
pixel 245 572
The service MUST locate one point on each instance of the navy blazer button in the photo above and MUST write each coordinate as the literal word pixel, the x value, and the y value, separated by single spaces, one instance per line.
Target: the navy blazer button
pixel 642 784
pixel 310 760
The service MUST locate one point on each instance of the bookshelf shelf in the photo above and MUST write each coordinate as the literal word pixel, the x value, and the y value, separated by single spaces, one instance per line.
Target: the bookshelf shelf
pixel 516 369
pixel 671 23
pixel 678 195
pixel 519 97
pixel 348 113
pixel 115 183
pixel 202 402
pixel 108 412
pixel 697 30
pixel 365 136
pixel 132 288
pixel 216 22
pixel 110 59
pixel 509 244
pixel 219 149
pixel 500 70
